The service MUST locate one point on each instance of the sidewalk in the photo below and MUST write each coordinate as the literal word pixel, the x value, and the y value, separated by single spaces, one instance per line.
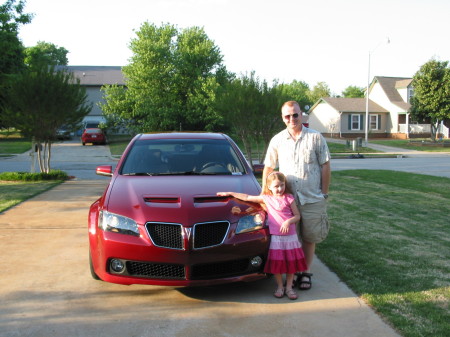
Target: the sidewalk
pixel 46 288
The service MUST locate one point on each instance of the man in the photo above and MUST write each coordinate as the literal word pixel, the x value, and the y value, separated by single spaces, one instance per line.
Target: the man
pixel 302 155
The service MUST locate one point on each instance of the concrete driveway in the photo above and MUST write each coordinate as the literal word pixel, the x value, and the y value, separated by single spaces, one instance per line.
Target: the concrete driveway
pixel 46 288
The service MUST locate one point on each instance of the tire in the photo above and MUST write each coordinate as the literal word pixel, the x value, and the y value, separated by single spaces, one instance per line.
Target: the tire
pixel 84 143
pixel 91 267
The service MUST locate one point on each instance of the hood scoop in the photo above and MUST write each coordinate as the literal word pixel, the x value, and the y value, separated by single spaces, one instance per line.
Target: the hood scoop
pixel 162 199
pixel 209 199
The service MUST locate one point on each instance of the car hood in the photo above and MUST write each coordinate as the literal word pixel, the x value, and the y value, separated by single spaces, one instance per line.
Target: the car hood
pixel 178 199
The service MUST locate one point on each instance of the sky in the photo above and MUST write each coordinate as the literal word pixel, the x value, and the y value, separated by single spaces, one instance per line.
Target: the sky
pixel 285 40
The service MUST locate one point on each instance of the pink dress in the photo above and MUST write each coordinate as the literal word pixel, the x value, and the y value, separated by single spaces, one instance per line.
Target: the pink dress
pixel 285 252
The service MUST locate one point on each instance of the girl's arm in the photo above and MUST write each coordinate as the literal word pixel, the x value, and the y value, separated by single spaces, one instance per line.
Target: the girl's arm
pixel 296 218
pixel 242 196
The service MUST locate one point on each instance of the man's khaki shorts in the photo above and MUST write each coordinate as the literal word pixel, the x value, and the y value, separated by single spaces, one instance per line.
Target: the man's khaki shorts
pixel 314 225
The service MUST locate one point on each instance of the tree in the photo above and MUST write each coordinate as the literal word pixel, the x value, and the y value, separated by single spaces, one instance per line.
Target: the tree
pixel 45 54
pixel 320 90
pixel 11 60
pixel 39 102
pixel 171 81
pixel 353 91
pixel 250 106
pixel 431 98
pixel 295 91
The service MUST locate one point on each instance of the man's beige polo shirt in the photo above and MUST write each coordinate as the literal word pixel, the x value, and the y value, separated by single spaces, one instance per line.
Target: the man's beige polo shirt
pixel 300 161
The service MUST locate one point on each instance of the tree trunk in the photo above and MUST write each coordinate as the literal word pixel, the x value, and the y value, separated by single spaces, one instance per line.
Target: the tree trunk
pixel 39 154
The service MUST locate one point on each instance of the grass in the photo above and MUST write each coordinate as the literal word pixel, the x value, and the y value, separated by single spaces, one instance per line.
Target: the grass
pixel 13 142
pixel 342 148
pixel 118 143
pixel 15 192
pixel 390 244
pixel 16 187
pixel 413 144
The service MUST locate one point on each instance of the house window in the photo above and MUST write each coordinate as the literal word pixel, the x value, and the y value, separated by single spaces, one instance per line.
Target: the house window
pixel 374 122
pixel 410 94
pixel 356 122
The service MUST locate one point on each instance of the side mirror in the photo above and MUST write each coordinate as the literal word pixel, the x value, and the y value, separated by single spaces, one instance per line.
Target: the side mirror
pixel 104 170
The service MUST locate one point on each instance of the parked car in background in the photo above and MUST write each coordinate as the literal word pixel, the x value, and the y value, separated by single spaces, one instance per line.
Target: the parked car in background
pixel 94 136
pixel 63 133
pixel 160 222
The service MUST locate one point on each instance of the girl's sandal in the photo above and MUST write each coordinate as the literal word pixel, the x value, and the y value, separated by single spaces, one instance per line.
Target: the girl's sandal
pixel 279 293
pixel 291 294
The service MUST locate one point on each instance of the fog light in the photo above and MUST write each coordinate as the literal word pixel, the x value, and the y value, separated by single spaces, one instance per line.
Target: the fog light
pixel 256 261
pixel 117 265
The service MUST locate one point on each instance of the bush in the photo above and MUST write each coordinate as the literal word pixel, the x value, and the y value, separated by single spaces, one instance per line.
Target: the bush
pixel 26 176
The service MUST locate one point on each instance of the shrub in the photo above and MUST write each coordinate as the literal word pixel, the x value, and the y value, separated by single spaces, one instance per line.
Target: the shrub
pixel 26 176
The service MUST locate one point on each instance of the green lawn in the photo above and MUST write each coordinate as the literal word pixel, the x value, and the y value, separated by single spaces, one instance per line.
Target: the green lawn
pixel 13 144
pixel 14 192
pixel 414 144
pixel 390 244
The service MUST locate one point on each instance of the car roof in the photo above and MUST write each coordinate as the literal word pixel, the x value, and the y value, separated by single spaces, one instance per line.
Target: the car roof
pixel 181 135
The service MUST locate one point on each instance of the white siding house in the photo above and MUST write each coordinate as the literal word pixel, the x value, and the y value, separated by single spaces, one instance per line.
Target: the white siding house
pixel 389 103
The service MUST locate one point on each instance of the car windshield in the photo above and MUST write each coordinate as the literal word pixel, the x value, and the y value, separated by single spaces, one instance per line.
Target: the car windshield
pixel 93 131
pixel 182 157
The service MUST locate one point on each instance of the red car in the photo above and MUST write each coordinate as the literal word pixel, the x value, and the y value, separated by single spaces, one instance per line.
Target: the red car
pixel 160 222
pixel 94 136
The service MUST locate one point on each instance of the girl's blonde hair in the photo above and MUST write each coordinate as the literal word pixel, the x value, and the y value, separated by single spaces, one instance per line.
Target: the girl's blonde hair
pixel 275 176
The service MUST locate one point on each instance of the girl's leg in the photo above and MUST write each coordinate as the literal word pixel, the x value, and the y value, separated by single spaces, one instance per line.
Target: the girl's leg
pixel 289 281
pixel 291 294
pixel 280 288
pixel 279 279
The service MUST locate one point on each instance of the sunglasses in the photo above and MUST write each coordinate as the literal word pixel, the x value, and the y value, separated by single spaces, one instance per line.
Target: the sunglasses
pixel 289 116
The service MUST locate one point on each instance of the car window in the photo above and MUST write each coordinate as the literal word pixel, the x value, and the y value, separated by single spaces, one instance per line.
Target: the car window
pixel 182 157
pixel 93 131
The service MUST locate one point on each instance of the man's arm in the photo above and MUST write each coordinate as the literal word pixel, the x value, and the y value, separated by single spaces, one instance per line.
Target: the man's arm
pixel 326 177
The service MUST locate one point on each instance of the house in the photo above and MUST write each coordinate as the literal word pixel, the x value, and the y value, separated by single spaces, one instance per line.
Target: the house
pixel 93 78
pixel 388 106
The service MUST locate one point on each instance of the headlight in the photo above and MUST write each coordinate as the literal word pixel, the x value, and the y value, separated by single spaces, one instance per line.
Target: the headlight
pixel 250 223
pixel 111 222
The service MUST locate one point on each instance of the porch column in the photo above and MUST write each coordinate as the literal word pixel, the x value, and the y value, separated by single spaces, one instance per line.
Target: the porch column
pixel 407 125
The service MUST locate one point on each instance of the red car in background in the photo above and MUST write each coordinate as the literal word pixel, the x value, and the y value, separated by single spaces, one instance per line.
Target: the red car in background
pixel 160 222
pixel 94 136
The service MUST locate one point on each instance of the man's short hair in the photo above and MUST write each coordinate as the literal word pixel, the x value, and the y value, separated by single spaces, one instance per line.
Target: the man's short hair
pixel 291 104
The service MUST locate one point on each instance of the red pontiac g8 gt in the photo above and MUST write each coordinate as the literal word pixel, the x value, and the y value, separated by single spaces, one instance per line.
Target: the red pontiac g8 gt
pixel 160 222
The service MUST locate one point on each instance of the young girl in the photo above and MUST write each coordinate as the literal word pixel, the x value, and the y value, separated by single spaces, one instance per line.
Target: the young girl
pixel 285 251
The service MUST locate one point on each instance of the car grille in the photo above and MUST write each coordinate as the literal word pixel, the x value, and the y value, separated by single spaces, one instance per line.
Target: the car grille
pixel 210 234
pixel 166 235
pixel 155 270
pixel 205 235
pixel 221 269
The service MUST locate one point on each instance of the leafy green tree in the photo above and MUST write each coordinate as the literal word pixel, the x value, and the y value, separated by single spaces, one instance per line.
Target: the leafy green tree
pixel 320 90
pixel 39 102
pixel 171 81
pixel 11 60
pixel 250 107
pixel 353 91
pixel 295 91
pixel 431 98
pixel 45 54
